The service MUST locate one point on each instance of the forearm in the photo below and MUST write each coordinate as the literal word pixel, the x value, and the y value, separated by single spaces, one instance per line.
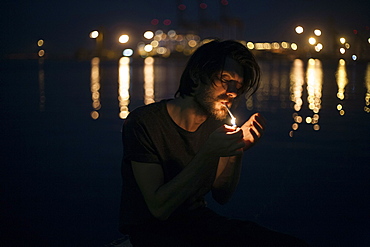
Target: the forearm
pixel 192 180
pixel 227 179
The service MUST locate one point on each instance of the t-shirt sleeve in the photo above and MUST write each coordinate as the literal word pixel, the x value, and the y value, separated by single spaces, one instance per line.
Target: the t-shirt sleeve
pixel 137 142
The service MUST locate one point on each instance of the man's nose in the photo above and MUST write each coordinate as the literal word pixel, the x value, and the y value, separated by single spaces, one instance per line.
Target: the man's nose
pixel 232 91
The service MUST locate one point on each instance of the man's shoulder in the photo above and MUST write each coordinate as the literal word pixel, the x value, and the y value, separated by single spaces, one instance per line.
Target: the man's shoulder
pixel 150 111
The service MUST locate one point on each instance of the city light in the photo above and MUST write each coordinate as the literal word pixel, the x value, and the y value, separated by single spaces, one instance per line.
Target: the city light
pixel 155 43
pixel 312 41
pixel 167 22
pixel 127 52
pixel 41 53
pixel 148 35
pixel 192 43
pixel 354 57
pixel 154 22
pixel 318 47
pixel 94 34
pixel 182 7
pixel 342 50
pixel 148 48
pixel 299 29
pixel 124 38
pixel 294 46
pixel 172 34
pixel 342 40
pixel 40 43
pixel 317 32
pixel 203 6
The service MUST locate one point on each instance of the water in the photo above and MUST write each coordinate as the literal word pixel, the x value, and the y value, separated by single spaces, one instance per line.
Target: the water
pixel 61 148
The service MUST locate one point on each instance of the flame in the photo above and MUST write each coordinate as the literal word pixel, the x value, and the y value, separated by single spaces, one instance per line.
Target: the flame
pixel 233 119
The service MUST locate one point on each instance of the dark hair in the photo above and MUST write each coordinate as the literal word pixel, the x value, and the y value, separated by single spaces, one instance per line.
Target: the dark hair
pixel 209 59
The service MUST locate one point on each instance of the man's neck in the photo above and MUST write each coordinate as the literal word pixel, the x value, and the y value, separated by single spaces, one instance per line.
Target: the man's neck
pixel 186 113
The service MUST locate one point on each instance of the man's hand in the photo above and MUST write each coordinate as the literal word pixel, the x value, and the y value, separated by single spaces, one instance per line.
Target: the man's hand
pixel 225 142
pixel 253 130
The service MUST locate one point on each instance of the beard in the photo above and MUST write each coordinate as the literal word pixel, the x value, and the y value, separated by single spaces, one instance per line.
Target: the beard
pixel 212 105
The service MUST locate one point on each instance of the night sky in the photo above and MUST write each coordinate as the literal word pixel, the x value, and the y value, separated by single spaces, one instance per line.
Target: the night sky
pixel 65 25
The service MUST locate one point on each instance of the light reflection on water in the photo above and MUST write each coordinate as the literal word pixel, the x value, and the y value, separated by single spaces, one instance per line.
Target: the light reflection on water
pixel 42 99
pixel 314 77
pixel 342 81
pixel 124 86
pixel 95 87
pixel 149 80
pixel 280 88
pixel 296 90
pixel 367 84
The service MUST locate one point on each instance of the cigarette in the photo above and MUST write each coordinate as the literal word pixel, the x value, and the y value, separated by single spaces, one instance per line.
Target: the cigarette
pixel 233 119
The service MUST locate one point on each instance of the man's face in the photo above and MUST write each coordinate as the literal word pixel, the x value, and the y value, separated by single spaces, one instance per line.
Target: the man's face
pixel 212 98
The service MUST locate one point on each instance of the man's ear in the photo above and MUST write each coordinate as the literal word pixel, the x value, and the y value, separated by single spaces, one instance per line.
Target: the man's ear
pixel 196 83
pixel 196 79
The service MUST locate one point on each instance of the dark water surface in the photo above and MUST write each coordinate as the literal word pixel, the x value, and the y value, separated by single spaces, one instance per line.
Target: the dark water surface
pixel 61 149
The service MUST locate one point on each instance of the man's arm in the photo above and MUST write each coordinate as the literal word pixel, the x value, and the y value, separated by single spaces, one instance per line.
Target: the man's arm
pixel 196 178
pixel 227 178
pixel 229 168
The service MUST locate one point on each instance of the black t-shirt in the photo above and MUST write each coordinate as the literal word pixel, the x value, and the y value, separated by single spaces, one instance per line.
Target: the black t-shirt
pixel 150 135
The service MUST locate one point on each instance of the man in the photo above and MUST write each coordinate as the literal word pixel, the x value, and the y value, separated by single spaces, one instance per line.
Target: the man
pixel 176 151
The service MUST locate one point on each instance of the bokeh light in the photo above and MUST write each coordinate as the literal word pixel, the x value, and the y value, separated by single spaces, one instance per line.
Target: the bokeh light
pixel 41 53
pixel 148 48
pixel 128 52
pixel 94 34
pixel 317 32
pixel 312 41
pixel 182 7
pixel 294 46
pixel 40 42
pixel 167 22
pixel 148 35
pixel 124 38
pixel 299 29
